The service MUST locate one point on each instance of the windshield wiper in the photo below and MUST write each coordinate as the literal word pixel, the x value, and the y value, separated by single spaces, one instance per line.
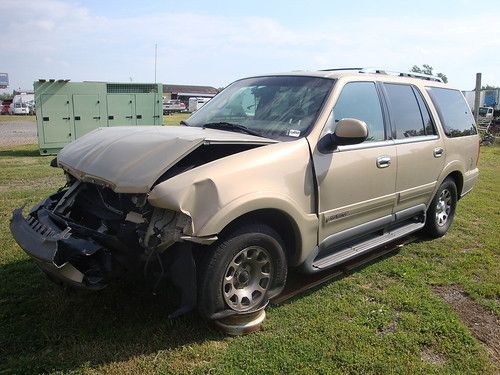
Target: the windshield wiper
pixel 183 123
pixel 230 126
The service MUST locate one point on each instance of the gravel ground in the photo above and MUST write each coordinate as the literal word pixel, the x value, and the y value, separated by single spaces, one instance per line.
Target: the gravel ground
pixel 19 132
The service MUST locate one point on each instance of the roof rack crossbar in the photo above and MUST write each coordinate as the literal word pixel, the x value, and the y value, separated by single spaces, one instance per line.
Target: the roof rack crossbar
pixel 426 77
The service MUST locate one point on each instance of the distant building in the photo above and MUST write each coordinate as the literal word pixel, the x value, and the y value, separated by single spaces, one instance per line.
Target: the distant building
pixel 184 92
pixel 19 92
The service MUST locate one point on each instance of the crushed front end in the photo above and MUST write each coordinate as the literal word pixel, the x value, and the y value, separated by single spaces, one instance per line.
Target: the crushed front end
pixel 86 234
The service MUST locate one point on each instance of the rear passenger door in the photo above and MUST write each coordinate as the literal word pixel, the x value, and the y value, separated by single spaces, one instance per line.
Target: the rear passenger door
pixel 419 148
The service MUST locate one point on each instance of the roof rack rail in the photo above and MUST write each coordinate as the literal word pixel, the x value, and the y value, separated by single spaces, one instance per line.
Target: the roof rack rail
pixel 337 69
pixel 420 76
pixel 426 77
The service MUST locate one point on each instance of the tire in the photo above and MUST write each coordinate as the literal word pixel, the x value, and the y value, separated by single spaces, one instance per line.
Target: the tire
pixel 442 210
pixel 253 259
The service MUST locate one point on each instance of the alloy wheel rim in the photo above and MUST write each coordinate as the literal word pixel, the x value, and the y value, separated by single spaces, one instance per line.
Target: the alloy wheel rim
pixel 247 278
pixel 443 207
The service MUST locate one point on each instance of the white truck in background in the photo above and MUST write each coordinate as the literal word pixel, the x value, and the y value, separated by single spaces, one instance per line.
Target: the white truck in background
pixel 22 104
pixel 196 103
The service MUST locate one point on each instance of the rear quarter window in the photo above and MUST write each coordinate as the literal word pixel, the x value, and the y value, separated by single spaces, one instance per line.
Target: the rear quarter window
pixel 453 111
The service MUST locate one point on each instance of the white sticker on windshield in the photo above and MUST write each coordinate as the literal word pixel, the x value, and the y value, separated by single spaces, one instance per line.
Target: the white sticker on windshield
pixel 294 133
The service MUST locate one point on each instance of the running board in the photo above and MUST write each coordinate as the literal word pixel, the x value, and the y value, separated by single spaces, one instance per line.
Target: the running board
pixel 353 250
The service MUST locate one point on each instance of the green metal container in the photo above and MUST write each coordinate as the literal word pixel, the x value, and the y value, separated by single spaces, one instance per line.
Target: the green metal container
pixel 67 110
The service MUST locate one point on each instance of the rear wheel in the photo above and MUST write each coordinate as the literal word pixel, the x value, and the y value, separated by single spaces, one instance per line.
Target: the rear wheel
pixel 241 269
pixel 442 209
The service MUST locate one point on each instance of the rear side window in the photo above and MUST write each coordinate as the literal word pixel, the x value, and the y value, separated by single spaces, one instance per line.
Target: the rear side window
pixel 360 100
pixel 406 114
pixel 453 111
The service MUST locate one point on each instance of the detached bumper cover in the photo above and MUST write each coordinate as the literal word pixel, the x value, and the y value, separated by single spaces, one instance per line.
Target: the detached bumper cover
pixel 52 248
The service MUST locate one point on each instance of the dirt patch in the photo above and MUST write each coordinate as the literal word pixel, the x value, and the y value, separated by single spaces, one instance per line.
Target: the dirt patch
pixel 20 132
pixel 431 357
pixel 483 324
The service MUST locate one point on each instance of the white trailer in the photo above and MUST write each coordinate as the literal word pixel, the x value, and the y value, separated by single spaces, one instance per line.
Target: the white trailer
pixel 470 97
pixel 196 103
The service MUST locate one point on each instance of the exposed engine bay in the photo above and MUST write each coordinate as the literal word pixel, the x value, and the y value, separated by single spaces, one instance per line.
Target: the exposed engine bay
pixel 86 235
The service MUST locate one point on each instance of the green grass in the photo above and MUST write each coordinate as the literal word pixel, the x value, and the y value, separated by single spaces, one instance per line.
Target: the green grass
pixel 175 118
pixel 383 318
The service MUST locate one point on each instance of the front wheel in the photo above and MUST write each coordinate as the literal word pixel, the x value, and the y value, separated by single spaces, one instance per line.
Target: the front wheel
pixel 442 209
pixel 239 272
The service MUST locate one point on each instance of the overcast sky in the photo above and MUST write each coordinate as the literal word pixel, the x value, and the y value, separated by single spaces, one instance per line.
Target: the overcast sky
pixel 215 42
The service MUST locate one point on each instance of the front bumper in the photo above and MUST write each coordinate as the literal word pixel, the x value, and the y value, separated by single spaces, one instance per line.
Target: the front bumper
pixel 56 251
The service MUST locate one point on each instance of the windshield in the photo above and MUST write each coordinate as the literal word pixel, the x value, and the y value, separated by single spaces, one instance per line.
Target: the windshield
pixel 483 111
pixel 279 107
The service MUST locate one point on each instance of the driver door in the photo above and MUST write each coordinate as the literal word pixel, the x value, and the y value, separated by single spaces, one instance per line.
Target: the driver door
pixel 356 183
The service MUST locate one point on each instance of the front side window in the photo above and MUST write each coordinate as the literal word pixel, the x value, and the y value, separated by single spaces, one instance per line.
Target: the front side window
pixel 278 107
pixel 360 100
pixel 453 112
pixel 405 111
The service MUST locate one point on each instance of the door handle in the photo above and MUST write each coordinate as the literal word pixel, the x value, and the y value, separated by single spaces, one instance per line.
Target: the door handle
pixel 383 161
pixel 96 118
pixel 65 118
pixel 129 116
pixel 438 152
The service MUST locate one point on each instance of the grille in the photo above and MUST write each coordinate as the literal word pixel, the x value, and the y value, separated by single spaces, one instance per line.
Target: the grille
pixel 39 227
pixel 131 88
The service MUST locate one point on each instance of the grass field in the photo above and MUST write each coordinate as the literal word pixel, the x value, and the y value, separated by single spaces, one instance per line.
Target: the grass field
pixel 388 317
pixel 174 118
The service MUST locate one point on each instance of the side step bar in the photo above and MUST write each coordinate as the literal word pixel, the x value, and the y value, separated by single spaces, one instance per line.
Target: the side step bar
pixel 348 244
pixel 364 247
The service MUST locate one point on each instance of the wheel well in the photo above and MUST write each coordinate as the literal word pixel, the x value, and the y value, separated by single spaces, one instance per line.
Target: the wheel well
pixel 459 181
pixel 282 223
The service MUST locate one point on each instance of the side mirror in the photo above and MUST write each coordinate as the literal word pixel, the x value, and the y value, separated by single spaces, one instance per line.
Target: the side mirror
pixel 349 131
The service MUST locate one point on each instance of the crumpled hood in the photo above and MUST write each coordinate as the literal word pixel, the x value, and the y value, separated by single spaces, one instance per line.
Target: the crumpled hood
pixel 129 159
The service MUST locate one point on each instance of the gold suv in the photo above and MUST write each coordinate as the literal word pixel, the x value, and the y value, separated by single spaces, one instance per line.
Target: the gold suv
pixel 304 170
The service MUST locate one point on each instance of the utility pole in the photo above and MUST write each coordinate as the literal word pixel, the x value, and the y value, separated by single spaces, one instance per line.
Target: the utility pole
pixel 477 97
pixel 156 55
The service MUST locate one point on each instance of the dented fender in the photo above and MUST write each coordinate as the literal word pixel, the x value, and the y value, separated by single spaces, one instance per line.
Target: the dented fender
pixel 278 176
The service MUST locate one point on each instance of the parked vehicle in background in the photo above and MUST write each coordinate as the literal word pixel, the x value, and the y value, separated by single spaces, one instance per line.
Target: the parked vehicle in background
pixel 5 108
pixel 486 114
pixel 22 104
pixel 173 106
pixel 196 103
pixel 306 170
pixel 19 108
pixel 31 107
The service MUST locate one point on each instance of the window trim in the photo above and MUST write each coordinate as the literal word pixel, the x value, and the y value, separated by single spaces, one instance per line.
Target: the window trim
pixel 417 139
pixel 391 115
pixel 362 146
pixel 388 142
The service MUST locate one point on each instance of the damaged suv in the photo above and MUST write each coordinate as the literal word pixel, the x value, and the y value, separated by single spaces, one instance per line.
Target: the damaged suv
pixel 305 170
